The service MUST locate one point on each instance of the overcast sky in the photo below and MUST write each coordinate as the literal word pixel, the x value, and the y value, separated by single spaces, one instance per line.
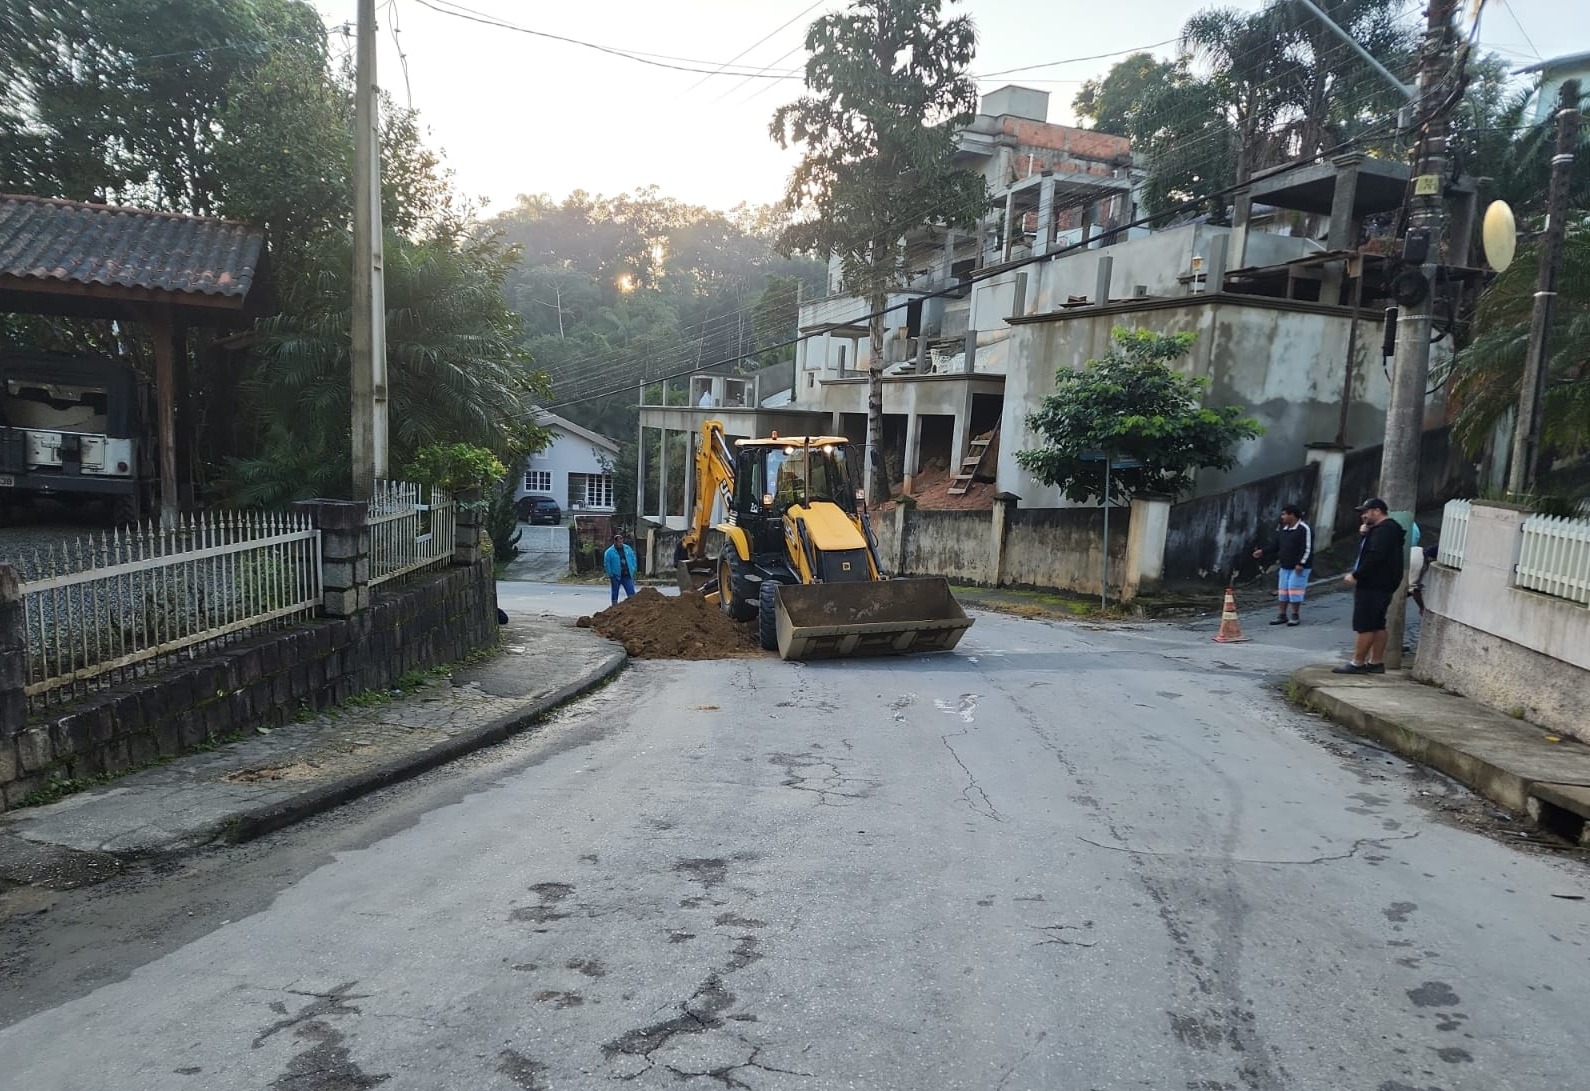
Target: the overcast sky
pixel 516 113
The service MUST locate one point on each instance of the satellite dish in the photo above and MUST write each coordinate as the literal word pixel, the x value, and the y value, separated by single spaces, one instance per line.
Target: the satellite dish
pixel 1499 235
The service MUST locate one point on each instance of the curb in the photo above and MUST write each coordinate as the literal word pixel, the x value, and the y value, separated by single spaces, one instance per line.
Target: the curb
pixel 1491 781
pixel 249 825
pixel 1495 760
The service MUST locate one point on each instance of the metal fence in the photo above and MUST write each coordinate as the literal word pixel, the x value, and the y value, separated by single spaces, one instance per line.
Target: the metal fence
pixel 408 534
pixel 1554 557
pixel 1454 533
pixel 107 607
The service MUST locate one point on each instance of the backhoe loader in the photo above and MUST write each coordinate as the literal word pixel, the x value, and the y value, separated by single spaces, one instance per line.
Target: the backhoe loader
pixel 798 554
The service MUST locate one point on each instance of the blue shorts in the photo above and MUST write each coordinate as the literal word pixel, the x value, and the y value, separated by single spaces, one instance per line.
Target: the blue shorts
pixel 1293 584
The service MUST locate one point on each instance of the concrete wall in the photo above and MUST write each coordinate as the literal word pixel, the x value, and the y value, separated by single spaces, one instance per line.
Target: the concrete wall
pixel 956 544
pixel 1519 651
pixel 1284 363
pixel 1211 535
pixel 1048 549
pixel 262 682
pixel 1063 549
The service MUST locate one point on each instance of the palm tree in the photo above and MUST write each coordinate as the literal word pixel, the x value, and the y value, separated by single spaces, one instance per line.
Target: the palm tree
pixel 456 372
pixel 1489 371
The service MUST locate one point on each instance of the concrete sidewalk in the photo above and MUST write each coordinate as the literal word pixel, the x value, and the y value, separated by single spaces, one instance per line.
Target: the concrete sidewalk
pixel 1525 768
pixel 247 788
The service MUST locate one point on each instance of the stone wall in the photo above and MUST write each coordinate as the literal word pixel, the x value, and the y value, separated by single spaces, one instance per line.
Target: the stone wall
pixel 264 682
pixel 366 638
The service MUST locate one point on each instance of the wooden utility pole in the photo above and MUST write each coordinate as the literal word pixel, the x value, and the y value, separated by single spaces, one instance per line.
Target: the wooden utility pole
pixel 1532 393
pixel 1399 459
pixel 368 385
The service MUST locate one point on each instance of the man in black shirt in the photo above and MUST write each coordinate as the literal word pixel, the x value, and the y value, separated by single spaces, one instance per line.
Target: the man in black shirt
pixel 1374 581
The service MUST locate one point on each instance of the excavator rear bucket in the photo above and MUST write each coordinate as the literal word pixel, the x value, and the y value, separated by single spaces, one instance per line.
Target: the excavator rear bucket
pixel 830 620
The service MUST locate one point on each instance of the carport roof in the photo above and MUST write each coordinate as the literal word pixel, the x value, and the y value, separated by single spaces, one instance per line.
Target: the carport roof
pixel 100 254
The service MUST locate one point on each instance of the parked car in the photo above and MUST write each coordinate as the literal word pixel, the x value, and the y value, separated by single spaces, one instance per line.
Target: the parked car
pixel 539 509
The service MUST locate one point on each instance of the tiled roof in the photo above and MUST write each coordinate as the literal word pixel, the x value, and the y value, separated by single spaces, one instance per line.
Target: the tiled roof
pixel 70 243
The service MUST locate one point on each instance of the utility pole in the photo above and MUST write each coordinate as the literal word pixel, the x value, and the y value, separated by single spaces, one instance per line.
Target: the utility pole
pixel 368 382
pixel 1532 393
pixel 1399 459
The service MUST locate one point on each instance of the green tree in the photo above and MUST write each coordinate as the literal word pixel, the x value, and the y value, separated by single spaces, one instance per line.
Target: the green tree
pixel 457 372
pixel 1134 406
pixel 1489 370
pixel 887 92
pixel 1109 103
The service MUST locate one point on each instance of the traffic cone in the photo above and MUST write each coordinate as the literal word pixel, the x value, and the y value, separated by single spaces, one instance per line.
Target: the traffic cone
pixel 1230 631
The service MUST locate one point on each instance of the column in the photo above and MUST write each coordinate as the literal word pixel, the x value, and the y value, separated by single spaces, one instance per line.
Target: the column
pixel 344 554
pixel 998 531
pixel 13 665
pixel 913 448
pixel 1241 211
pixel 1010 223
pixel 640 473
pixel 1343 234
pixel 1045 240
pixel 690 477
pixel 1327 491
pixel 662 478
pixel 1145 545
pixel 468 525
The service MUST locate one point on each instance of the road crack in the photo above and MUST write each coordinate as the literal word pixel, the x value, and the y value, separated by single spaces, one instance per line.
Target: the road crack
pixel 1327 859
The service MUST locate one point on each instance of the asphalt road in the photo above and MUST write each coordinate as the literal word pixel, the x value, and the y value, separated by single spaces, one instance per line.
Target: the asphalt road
pixel 1065 858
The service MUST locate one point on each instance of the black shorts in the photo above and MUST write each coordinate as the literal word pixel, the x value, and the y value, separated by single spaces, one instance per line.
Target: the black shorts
pixel 1369 609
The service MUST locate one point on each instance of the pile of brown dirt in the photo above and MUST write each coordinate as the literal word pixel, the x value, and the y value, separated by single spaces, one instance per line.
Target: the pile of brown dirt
pixel 653 625
pixel 931 491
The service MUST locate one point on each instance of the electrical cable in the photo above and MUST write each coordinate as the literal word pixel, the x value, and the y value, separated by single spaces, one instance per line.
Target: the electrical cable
pixel 689 345
pixel 690 65
pixel 941 293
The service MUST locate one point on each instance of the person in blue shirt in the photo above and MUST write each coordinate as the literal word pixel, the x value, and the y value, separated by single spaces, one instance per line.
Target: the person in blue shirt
pixel 619 563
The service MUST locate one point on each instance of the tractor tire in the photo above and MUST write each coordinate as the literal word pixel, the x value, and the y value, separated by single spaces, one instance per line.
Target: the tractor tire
pixel 730 576
pixel 767 616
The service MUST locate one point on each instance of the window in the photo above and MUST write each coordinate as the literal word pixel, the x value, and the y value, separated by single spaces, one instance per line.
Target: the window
pixel 538 481
pixel 591 490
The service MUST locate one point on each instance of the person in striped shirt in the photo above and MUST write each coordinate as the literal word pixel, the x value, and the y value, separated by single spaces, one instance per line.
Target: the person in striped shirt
pixel 1293 549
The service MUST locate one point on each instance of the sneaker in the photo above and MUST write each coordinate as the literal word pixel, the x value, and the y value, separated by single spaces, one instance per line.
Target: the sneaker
pixel 1374 668
pixel 1279 621
pixel 1351 668
pixel 1295 621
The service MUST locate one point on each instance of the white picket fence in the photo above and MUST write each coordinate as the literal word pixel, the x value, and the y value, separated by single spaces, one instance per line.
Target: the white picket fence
pixel 1555 557
pixel 110 606
pixel 1454 533
pixel 412 528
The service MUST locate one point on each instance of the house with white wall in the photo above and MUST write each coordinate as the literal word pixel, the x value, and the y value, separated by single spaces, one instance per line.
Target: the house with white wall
pixel 575 469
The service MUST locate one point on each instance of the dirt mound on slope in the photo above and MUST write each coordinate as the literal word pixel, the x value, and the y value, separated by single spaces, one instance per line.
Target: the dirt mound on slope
pixel 686 626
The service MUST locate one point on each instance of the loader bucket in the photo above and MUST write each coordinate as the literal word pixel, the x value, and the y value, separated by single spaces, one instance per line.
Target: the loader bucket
pixel 890 617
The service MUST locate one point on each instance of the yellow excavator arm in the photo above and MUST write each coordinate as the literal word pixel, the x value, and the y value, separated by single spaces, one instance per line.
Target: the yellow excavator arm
pixel 714 481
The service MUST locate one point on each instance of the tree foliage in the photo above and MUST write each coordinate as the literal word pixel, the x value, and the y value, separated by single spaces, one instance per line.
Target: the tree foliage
pixel 1132 405
pixel 1489 370
pixel 887 93
pixel 1250 90
pixel 456 371
pixel 619 290
pixel 236 108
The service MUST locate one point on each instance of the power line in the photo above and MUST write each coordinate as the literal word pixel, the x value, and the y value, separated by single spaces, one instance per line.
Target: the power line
pixel 653 59
pixel 1513 15
pixel 753 45
pixel 625 363
pixel 1186 206
pixel 1073 60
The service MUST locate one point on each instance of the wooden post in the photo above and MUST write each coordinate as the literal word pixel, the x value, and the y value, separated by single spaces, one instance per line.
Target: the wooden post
pixel 166 412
